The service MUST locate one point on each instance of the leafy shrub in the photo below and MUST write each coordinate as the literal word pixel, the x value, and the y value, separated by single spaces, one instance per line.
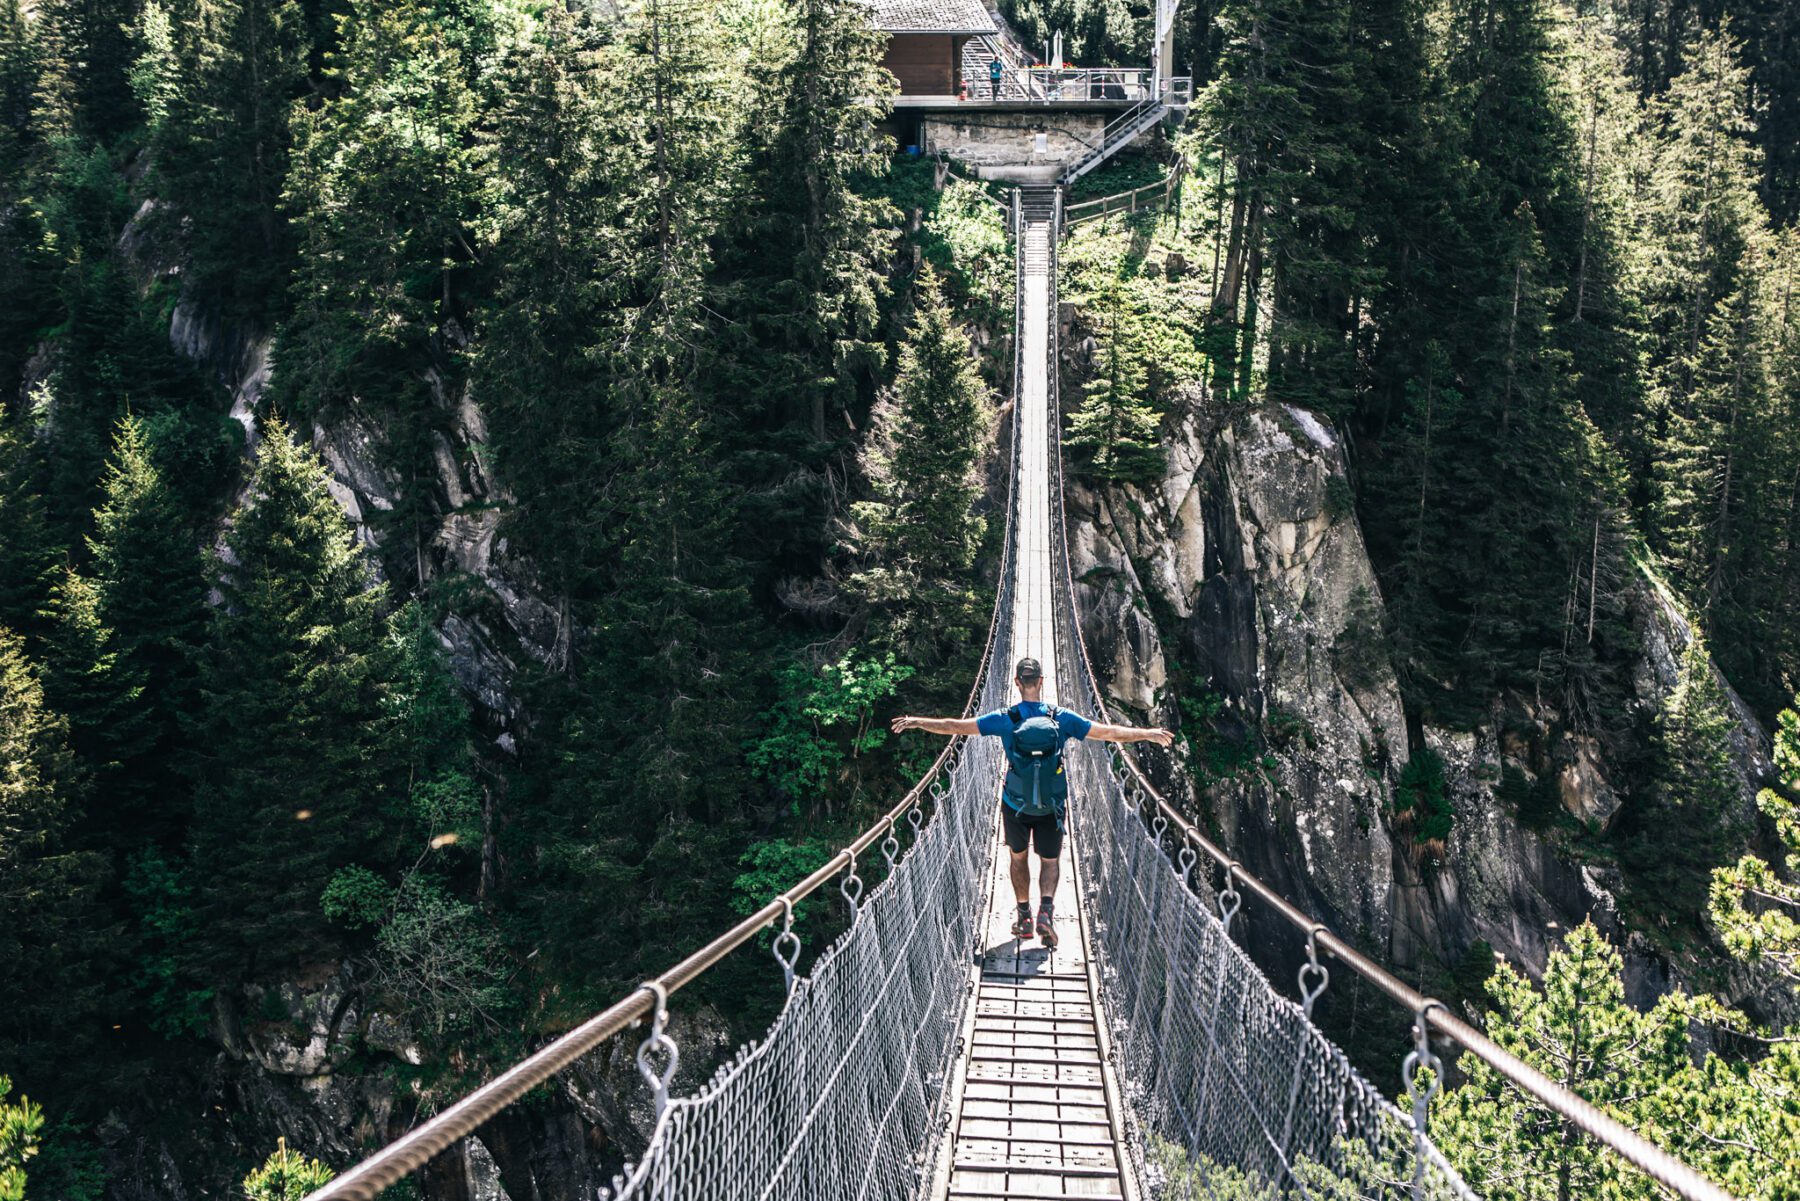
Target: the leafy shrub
pixel 773 866
pixel 821 719
pixel 356 897
pixel 161 895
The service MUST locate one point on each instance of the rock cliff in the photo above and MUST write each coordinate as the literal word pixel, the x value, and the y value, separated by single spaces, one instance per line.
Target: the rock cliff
pixel 1226 594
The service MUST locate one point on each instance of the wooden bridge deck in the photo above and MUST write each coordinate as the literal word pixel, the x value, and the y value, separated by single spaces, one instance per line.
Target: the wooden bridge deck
pixel 1035 1113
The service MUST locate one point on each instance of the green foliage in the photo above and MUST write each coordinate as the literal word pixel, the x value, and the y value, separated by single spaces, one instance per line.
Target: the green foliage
pixel 964 239
pixel 356 898
pixel 161 900
pixel 1115 430
pixel 222 141
pixel 1215 745
pixel 1754 903
pixel 1726 1119
pixel 817 716
pixel 153 75
pixel 286 1176
pixel 49 885
pixel 292 763
pixel 125 664
pixel 1124 172
pixel 1098 32
pixel 20 1125
pixel 441 960
pixel 917 535
pixel 1421 802
pixel 1673 837
pixel 774 865
pixel 1536 803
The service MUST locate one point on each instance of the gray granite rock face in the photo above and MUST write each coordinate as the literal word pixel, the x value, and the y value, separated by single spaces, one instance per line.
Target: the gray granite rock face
pixel 1235 575
pixel 1252 578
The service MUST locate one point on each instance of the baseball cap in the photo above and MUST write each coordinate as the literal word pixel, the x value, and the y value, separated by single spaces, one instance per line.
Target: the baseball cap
pixel 1029 669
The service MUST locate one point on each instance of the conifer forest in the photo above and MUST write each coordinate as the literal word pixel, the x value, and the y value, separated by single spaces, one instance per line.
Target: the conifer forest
pixel 477 478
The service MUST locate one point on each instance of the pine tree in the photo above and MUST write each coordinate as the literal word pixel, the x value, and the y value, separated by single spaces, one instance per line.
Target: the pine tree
pixel 87 58
pixel 1673 837
pixel 24 279
pixel 20 1125
pixel 670 615
pixel 919 530
pixel 826 142
pixel 1115 430
pixel 386 184
pixel 1756 905
pixel 804 254
pixel 286 1176
pixel 541 367
pixel 1581 1033
pixel 222 147
pixel 1701 471
pixel 1701 219
pixel 27 567
pixel 1729 1119
pixel 292 739
pixel 52 932
pixel 148 588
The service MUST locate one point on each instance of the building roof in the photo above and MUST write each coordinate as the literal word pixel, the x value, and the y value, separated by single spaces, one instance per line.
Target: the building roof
pixel 931 16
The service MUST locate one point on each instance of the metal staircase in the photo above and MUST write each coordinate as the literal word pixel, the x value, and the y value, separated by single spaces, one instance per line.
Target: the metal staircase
pixel 1172 98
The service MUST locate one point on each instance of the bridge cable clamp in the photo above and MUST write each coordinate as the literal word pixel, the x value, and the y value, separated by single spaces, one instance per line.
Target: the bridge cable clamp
pixel 658 1041
pixel 915 817
pixel 1185 860
pixel 1312 970
pixel 789 941
pixel 1422 1056
pixel 1157 826
pixel 890 847
pixel 852 888
pixel 1230 901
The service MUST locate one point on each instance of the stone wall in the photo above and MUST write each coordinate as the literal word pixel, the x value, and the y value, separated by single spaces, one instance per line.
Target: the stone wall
pixel 1003 145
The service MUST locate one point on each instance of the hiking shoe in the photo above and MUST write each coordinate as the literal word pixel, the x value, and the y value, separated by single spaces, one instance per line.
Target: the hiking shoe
pixel 1045 930
pixel 1022 927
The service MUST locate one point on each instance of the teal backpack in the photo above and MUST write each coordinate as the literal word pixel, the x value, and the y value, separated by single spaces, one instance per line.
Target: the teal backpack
pixel 1035 783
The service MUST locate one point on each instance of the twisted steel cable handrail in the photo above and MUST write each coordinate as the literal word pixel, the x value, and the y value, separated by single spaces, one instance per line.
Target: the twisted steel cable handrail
pixel 419 1146
pixel 1435 1014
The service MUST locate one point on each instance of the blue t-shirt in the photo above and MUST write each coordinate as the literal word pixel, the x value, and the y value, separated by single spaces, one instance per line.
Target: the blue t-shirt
pixel 999 724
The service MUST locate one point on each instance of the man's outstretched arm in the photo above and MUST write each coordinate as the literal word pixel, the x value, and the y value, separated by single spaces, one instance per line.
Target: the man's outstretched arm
pixel 951 726
pixel 1102 732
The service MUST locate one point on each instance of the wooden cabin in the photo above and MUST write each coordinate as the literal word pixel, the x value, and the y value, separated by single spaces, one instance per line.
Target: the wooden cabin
pixel 926 40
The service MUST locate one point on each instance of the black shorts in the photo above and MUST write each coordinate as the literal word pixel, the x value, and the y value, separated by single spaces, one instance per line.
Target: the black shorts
pixel 1045 832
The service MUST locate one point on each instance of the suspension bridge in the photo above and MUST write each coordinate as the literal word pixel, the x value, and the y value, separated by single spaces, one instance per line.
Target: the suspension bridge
pixel 929 1054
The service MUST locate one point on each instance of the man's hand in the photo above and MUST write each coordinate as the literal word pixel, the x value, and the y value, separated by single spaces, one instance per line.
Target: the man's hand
pixel 901 725
pixel 1159 737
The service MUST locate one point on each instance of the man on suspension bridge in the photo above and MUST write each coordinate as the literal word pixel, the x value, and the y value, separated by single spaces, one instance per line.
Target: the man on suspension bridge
pixel 1033 801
